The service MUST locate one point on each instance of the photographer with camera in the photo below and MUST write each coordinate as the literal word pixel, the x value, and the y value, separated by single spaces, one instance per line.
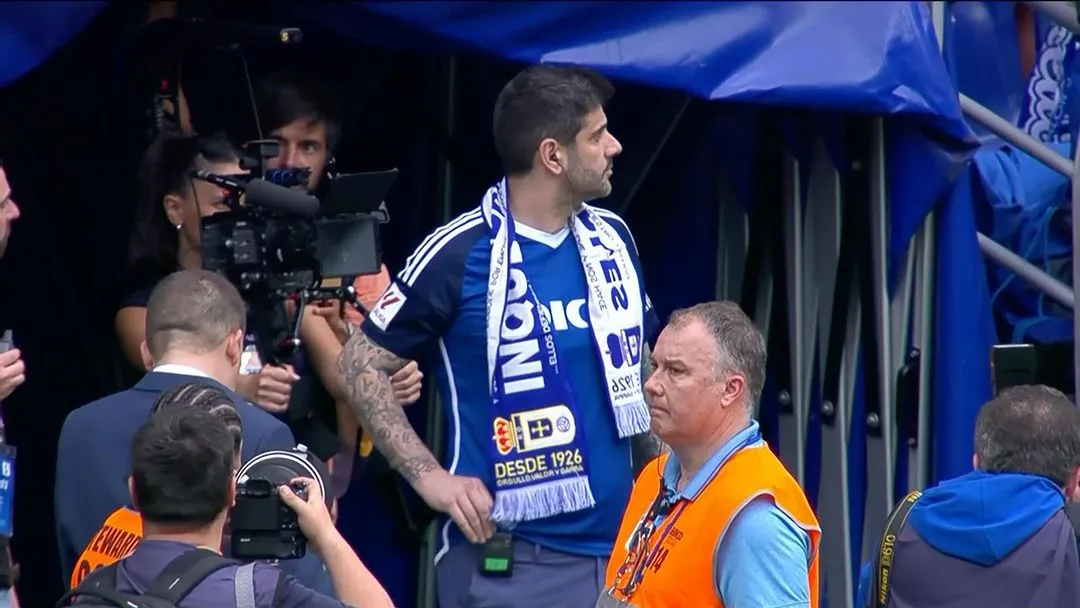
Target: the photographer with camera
pixel 123 529
pixel 182 482
pixel 195 326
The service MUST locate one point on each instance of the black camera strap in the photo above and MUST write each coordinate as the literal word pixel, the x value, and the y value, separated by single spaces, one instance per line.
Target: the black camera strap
pixel 882 571
pixel 184 573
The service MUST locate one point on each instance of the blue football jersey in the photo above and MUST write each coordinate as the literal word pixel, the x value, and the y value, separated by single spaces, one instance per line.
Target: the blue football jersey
pixel 435 312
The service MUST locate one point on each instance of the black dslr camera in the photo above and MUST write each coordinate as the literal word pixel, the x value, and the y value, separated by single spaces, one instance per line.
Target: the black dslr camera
pixel 262 526
pixel 268 527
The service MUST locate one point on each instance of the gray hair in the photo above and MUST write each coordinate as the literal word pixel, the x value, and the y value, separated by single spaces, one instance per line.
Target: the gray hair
pixel 195 310
pixel 740 346
pixel 1029 429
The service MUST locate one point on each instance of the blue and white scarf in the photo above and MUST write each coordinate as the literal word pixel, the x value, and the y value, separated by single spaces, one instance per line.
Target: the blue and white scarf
pixel 538 450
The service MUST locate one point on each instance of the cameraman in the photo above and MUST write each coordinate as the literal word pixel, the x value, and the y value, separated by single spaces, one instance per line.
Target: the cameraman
pixel 302 115
pixel 183 462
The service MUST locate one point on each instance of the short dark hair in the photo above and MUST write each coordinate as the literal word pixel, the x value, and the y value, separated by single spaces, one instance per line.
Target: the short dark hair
pixel 208 398
pixel 740 345
pixel 286 97
pixel 182 465
pixel 165 167
pixel 1031 429
pixel 193 309
pixel 540 102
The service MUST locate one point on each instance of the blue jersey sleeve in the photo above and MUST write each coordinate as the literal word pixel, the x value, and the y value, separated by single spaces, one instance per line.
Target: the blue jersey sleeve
pixel 763 561
pixel 421 302
pixel 651 320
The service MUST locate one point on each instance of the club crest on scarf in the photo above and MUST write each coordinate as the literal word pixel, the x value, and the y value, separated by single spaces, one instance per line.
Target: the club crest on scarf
pixel 538 451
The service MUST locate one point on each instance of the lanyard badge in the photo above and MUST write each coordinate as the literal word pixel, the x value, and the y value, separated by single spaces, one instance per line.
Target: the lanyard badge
pixel 7 488
pixel 639 546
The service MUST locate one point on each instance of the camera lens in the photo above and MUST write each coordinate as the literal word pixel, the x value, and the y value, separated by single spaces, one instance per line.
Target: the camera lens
pixel 280 467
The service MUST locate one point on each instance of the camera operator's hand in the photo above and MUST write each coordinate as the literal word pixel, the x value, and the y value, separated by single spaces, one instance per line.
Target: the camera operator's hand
pixel 12 372
pixel 465 499
pixel 353 582
pixel 407 383
pixel 271 387
pixel 331 311
pixel 312 515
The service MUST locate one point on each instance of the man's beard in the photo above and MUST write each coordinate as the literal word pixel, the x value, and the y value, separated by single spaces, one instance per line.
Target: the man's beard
pixel 588 185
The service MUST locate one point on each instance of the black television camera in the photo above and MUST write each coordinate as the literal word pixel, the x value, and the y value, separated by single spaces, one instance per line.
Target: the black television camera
pixel 262 526
pixel 278 244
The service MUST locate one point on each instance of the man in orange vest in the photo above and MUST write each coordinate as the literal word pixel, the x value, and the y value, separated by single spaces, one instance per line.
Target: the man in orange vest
pixel 717 521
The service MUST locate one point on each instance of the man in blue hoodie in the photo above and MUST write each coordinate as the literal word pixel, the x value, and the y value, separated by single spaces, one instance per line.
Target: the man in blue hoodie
pixel 1000 535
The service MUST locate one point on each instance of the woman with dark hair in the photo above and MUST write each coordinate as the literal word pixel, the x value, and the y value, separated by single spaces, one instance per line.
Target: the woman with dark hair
pixel 171 202
pixel 167 238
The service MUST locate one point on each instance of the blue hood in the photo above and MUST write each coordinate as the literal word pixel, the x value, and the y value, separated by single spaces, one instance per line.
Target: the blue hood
pixel 982 517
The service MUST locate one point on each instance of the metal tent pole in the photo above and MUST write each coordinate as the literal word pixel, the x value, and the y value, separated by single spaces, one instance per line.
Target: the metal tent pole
pixel 795 402
pixel 925 245
pixel 880 436
pixel 830 315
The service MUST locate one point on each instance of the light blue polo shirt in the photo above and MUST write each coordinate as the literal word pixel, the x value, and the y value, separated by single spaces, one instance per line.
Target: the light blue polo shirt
pixel 763 559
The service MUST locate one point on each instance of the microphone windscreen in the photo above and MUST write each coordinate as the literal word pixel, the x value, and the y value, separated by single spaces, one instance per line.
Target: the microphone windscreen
pixel 272 197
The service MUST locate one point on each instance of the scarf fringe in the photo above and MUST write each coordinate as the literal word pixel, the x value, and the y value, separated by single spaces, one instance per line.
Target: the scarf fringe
pixel 543 500
pixel 632 419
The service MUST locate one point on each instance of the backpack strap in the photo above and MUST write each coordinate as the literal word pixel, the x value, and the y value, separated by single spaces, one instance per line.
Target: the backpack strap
pixel 281 589
pixel 882 571
pixel 100 584
pixel 184 573
pixel 244 586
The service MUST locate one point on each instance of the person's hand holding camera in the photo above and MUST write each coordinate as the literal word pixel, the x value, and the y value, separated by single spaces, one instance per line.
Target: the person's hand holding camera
pixel 353 582
pixel 312 514
pixel 12 372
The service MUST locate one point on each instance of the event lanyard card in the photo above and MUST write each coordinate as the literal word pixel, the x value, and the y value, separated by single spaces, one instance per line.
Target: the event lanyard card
pixel 497 555
pixel 7 488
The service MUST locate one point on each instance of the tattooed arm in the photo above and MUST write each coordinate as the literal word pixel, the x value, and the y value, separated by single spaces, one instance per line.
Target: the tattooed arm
pixel 646 446
pixel 365 369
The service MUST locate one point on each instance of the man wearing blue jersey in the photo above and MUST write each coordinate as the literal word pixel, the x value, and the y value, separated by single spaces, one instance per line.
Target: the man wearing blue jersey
pixel 531 308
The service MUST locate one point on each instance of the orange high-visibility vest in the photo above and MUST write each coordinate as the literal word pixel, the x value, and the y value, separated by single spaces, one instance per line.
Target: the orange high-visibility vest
pixel 112 543
pixel 679 569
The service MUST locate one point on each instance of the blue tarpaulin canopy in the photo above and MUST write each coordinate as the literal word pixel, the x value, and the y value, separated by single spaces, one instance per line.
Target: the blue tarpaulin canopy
pixel 830 58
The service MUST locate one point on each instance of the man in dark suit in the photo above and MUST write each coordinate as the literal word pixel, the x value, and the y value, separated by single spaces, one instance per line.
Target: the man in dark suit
pixel 195 324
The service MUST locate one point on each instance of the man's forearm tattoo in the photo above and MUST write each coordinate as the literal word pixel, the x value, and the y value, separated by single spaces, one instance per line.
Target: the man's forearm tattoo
pixel 365 370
